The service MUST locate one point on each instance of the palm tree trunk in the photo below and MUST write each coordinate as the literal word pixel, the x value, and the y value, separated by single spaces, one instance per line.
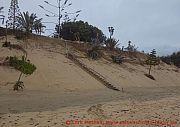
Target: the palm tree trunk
pixel 22 72
pixel 20 77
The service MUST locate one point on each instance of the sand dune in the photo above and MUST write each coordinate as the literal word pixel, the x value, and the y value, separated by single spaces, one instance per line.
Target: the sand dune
pixel 129 75
pixel 59 90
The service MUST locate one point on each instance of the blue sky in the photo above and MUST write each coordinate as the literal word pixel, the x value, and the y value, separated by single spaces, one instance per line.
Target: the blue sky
pixel 147 23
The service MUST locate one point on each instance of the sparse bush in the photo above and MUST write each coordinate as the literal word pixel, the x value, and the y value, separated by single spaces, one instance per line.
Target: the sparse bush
pixel 21 35
pixel 111 43
pixel 95 52
pixel 117 59
pixel 6 44
pixel 14 46
pixel 130 47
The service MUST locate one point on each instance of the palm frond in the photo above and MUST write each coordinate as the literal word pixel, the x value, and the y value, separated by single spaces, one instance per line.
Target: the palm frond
pixel 29 22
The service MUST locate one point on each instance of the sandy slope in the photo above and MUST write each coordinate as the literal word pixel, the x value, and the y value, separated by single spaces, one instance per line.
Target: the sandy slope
pixel 129 75
pixel 59 86
pixel 54 72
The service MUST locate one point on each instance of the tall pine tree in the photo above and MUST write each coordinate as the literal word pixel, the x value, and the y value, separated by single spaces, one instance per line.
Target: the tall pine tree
pixel 13 14
pixel 1 15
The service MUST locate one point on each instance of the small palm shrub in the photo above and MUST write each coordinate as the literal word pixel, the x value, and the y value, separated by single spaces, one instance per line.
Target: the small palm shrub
pixel 25 67
pixel 21 65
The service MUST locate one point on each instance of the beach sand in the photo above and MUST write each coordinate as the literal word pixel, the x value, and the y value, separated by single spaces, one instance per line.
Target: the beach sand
pixel 60 91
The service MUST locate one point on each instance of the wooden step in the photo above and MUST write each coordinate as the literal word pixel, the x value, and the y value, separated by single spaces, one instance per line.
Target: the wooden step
pixel 92 72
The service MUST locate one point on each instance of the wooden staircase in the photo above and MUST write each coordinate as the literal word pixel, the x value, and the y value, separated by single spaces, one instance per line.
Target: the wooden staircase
pixel 92 72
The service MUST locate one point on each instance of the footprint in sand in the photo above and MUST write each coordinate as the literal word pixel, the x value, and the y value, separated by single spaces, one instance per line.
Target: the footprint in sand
pixel 96 110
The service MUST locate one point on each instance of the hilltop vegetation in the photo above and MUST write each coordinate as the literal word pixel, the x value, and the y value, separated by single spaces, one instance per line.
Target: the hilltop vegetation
pixel 80 31
pixel 172 59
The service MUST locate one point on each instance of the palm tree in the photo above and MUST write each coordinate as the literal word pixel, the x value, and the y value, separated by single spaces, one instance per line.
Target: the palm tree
pixel 28 22
pixel 38 27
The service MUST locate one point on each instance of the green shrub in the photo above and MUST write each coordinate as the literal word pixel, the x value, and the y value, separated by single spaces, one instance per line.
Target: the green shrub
pixel 80 31
pixel 21 65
